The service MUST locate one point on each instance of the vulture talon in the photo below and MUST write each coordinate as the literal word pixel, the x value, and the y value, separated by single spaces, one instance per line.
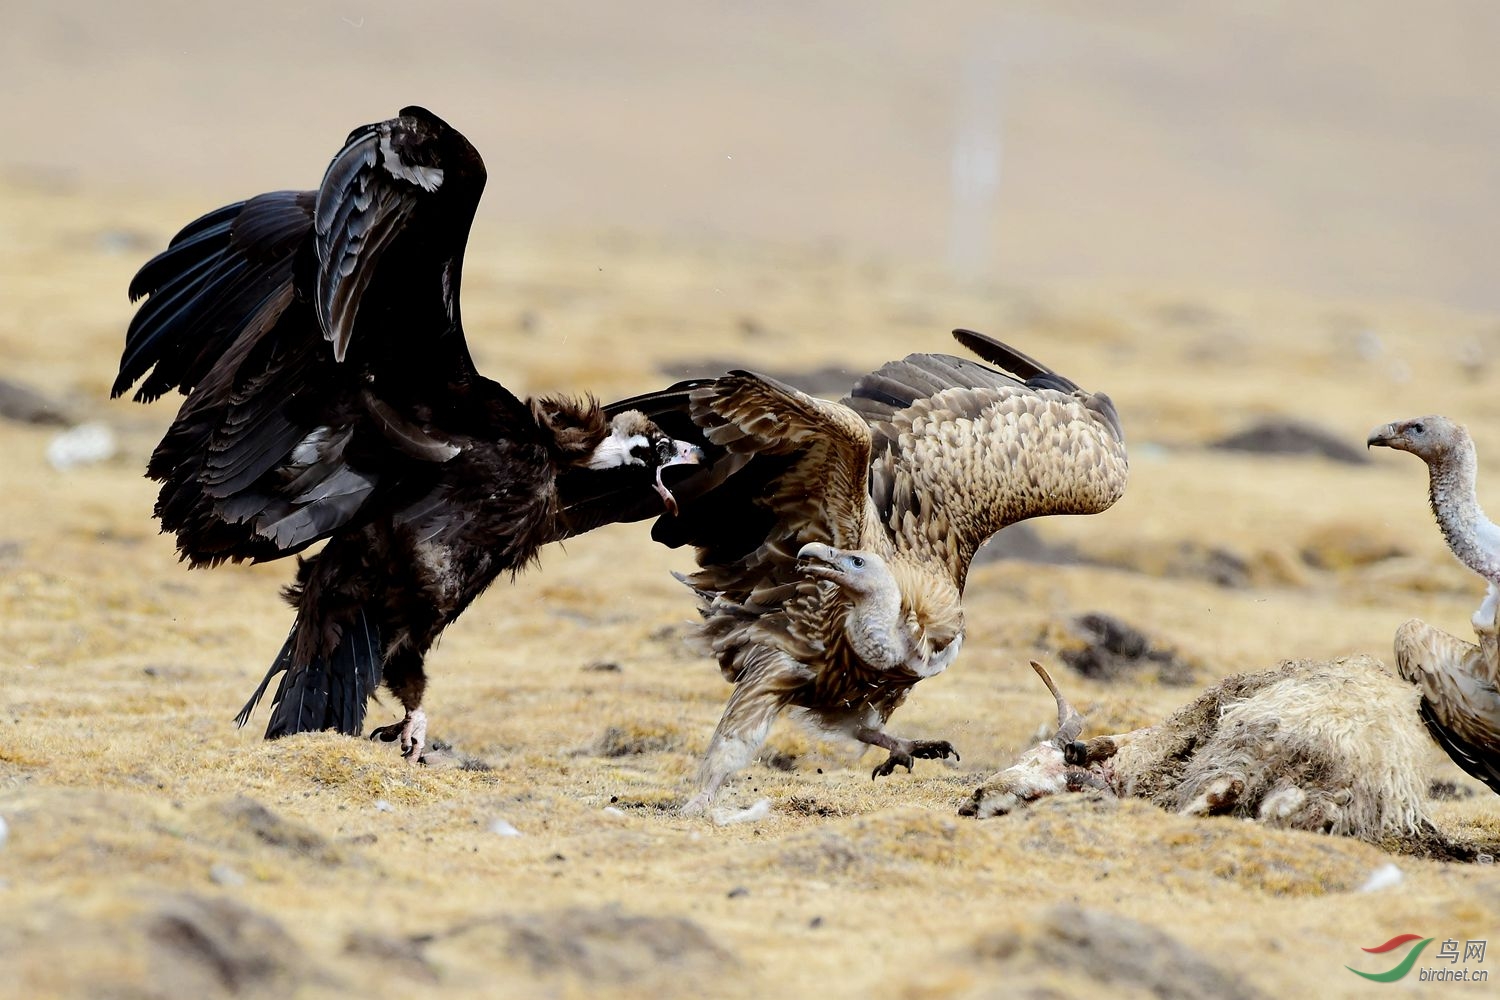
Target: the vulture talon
pixel 933 750
pixel 890 764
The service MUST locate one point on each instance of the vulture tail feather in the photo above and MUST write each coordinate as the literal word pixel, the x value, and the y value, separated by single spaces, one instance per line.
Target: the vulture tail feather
pixel 327 692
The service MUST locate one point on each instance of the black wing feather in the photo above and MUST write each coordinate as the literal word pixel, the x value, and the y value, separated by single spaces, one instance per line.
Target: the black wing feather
pixel 239 311
pixel 1472 759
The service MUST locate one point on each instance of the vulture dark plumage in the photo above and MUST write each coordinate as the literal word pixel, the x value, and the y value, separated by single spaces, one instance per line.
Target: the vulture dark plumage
pixel 331 397
pixel 833 539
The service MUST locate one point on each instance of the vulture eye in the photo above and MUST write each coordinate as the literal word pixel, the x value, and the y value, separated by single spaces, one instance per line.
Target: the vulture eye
pixel 856 562
pixel 1417 428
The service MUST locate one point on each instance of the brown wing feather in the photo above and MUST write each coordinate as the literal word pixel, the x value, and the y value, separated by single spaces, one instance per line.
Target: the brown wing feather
pixel 964 463
pixel 1460 699
pixel 821 496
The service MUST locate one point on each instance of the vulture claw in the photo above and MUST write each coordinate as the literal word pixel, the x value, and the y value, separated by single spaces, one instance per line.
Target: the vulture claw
pixel 411 731
pixel 933 750
pixel 897 758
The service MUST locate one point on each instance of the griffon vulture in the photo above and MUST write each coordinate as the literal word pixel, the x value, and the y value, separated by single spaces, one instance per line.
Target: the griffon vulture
pixel 833 539
pixel 1460 681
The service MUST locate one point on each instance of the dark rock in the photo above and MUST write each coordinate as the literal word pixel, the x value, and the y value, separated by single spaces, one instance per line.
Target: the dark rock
pixel 1446 791
pixel 203 946
pixel 1022 543
pixel 1113 650
pixel 1292 437
pixel 251 817
pixel 402 955
pixel 25 405
pixel 609 946
pixel 1118 952
pixel 603 667
pixel 617 742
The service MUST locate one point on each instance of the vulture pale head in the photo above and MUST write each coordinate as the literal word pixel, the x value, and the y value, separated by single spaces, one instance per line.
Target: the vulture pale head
pixel 1431 438
pixel 856 571
pixel 634 439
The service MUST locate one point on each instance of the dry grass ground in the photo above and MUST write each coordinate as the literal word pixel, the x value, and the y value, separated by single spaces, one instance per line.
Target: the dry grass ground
pixel 154 850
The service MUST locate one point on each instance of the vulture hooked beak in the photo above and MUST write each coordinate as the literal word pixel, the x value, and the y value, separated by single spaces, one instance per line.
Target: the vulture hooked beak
pixel 843 567
pixel 1382 436
pixel 683 453
pixel 818 560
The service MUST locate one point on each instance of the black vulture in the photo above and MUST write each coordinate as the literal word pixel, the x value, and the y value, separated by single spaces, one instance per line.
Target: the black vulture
pixel 331 397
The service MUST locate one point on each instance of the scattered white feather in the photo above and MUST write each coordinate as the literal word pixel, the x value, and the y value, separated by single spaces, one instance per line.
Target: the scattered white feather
pixel 4 831
pixel 503 829
pixel 381 805
pixel 754 814
pixel 613 811
pixel 1383 877
pixel 81 445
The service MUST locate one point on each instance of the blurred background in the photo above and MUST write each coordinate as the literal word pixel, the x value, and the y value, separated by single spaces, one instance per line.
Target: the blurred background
pixel 1345 149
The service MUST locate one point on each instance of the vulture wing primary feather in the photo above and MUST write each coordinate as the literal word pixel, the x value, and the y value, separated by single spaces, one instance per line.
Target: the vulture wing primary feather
pixel 833 540
pixel 331 397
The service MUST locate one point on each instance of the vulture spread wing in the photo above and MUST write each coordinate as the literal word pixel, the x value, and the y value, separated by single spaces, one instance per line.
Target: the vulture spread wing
pixel 961 449
pixel 306 327
pixel 956 451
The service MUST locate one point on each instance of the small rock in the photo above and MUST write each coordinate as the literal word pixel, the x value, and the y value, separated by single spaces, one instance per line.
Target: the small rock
pixel 4 831
pixel 85 444
pixel 603 667
pixel 1383 877
pixel 738 892
pixel 614 811
pixel 501 828
pixel 221 874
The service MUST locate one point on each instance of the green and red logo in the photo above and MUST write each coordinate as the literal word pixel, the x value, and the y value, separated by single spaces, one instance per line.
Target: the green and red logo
pixel 1402 967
